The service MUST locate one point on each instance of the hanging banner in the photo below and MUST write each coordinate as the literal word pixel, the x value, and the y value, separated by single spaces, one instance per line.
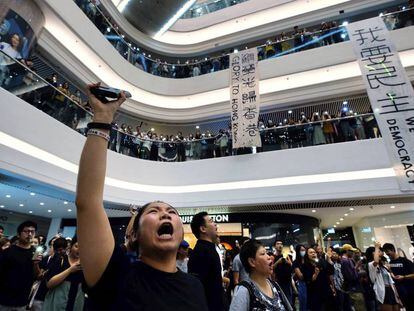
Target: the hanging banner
pixel 390 93
pixel 244 98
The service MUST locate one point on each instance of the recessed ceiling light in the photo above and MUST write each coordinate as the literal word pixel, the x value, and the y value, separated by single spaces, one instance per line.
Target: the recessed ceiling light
pixel 30 212
pixel 32 193
pixel 41 203
pixel 8 196
pixel 334 226
pixel 337 223
pixel 341 219
pixel 351 209
pixel 1 206
pixel 392 206
pixel 66 202
pixel 346 215
pixel 21 205
pixel 314 211
pixel 49 210
pixel 69 210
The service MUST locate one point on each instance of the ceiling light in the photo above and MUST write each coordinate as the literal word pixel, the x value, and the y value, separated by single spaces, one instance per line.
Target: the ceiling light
pixel 197 127
pixel 41 203
pixel 314 211
pixel 346 215
pixel 49 210
pixel 344 103
pixel 290 112
pixel 337 223
pixel 8 196
pixel 1 206
pixel 152 129
pixel 392 206
pixel 236 51
pixel 66 202
pixel 341 219
pixel 21 205
pixel 32 193
pixel 69 210
pixel 334 226
pixel 30 212
pixel 351 209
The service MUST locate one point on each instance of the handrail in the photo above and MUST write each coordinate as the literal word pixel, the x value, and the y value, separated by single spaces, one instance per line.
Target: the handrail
pixel 17 61
pixel 189 63
pixel 206 4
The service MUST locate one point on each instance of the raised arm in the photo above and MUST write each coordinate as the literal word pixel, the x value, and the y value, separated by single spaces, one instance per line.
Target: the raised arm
pixel 96 242
pixel 377 257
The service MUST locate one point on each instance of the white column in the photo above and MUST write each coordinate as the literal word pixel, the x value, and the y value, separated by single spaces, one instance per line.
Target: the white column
pixel 53 228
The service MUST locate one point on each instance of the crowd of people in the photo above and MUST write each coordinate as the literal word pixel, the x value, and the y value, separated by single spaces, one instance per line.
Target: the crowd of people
pixel 299 39
pixel 68 105
pixel 207 277
pixel 320 128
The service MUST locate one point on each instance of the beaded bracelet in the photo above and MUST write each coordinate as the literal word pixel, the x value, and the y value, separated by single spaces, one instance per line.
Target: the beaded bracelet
pixel 98 133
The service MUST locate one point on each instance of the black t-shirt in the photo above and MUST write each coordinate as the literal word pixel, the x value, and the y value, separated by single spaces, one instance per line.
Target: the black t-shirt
pixel 402 266
pixel 16 276
pixel 57 266
pixel 137 286
pixel 204 263
pixel 283 270
pixel 44 265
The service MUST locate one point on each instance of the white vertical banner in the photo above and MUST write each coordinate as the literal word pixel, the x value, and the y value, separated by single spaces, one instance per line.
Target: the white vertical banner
pixel 390 93
pixel 245 98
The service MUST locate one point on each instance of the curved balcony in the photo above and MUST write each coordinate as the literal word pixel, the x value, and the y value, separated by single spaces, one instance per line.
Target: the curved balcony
pixel 286 43
pixel 56 101
pixel 208 7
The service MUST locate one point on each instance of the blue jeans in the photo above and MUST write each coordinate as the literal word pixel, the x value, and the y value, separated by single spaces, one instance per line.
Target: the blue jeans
pixel 303 295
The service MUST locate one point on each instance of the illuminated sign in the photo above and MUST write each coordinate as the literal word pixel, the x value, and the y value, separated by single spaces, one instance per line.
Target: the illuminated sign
pixel 220 218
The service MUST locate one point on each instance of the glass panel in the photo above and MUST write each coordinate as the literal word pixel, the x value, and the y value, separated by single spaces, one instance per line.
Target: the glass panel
pixel 285 43
pixel 44 94
pixel 209 7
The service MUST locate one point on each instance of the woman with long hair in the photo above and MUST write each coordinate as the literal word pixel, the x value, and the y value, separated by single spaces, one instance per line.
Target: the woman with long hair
pixel 382 279
pixel 300 280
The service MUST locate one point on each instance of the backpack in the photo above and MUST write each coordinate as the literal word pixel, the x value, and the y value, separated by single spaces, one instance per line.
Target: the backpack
pixel 256 303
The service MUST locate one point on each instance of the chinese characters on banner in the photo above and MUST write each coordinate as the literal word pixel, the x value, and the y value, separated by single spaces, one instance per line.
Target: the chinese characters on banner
pixel 390 93
pixel 244 98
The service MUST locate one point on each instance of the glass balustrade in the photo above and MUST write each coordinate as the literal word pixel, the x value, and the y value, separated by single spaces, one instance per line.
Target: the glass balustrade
pixel 210 6
pixel 286 43
pixel 55 100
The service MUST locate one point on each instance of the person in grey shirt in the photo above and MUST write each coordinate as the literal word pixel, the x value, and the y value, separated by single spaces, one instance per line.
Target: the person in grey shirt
pixel 239 273
pixel 258 291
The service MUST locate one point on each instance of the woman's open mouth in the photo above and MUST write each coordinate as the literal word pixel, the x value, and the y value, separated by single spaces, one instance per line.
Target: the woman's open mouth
pixel 165 231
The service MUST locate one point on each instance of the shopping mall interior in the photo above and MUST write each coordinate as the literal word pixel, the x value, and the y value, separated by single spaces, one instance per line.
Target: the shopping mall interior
pixel 323 172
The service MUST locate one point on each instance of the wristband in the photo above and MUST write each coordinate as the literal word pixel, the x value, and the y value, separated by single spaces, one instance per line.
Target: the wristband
pixel 99 126
pixel 99 134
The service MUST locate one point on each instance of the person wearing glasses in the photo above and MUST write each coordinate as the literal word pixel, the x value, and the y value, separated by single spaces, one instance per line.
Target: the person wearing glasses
pixel 19 267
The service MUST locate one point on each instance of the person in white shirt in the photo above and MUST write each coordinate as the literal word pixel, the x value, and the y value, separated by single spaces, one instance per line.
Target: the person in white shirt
pixel 382 280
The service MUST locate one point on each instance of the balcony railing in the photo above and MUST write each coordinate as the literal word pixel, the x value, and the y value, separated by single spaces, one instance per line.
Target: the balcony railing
pixel 209 7
pixel 55 100
pixel 329 33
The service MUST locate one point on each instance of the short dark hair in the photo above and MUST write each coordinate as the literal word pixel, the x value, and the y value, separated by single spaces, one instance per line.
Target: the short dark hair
pixel 388 247
pixel 1 228
pixel 198 221
pixel 26 224
pixel 249 250
pixel 278 240
pixel 60 243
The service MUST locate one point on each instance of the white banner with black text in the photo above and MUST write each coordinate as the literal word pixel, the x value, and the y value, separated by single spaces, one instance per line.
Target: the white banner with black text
pixel 244 98
pixel 390 93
